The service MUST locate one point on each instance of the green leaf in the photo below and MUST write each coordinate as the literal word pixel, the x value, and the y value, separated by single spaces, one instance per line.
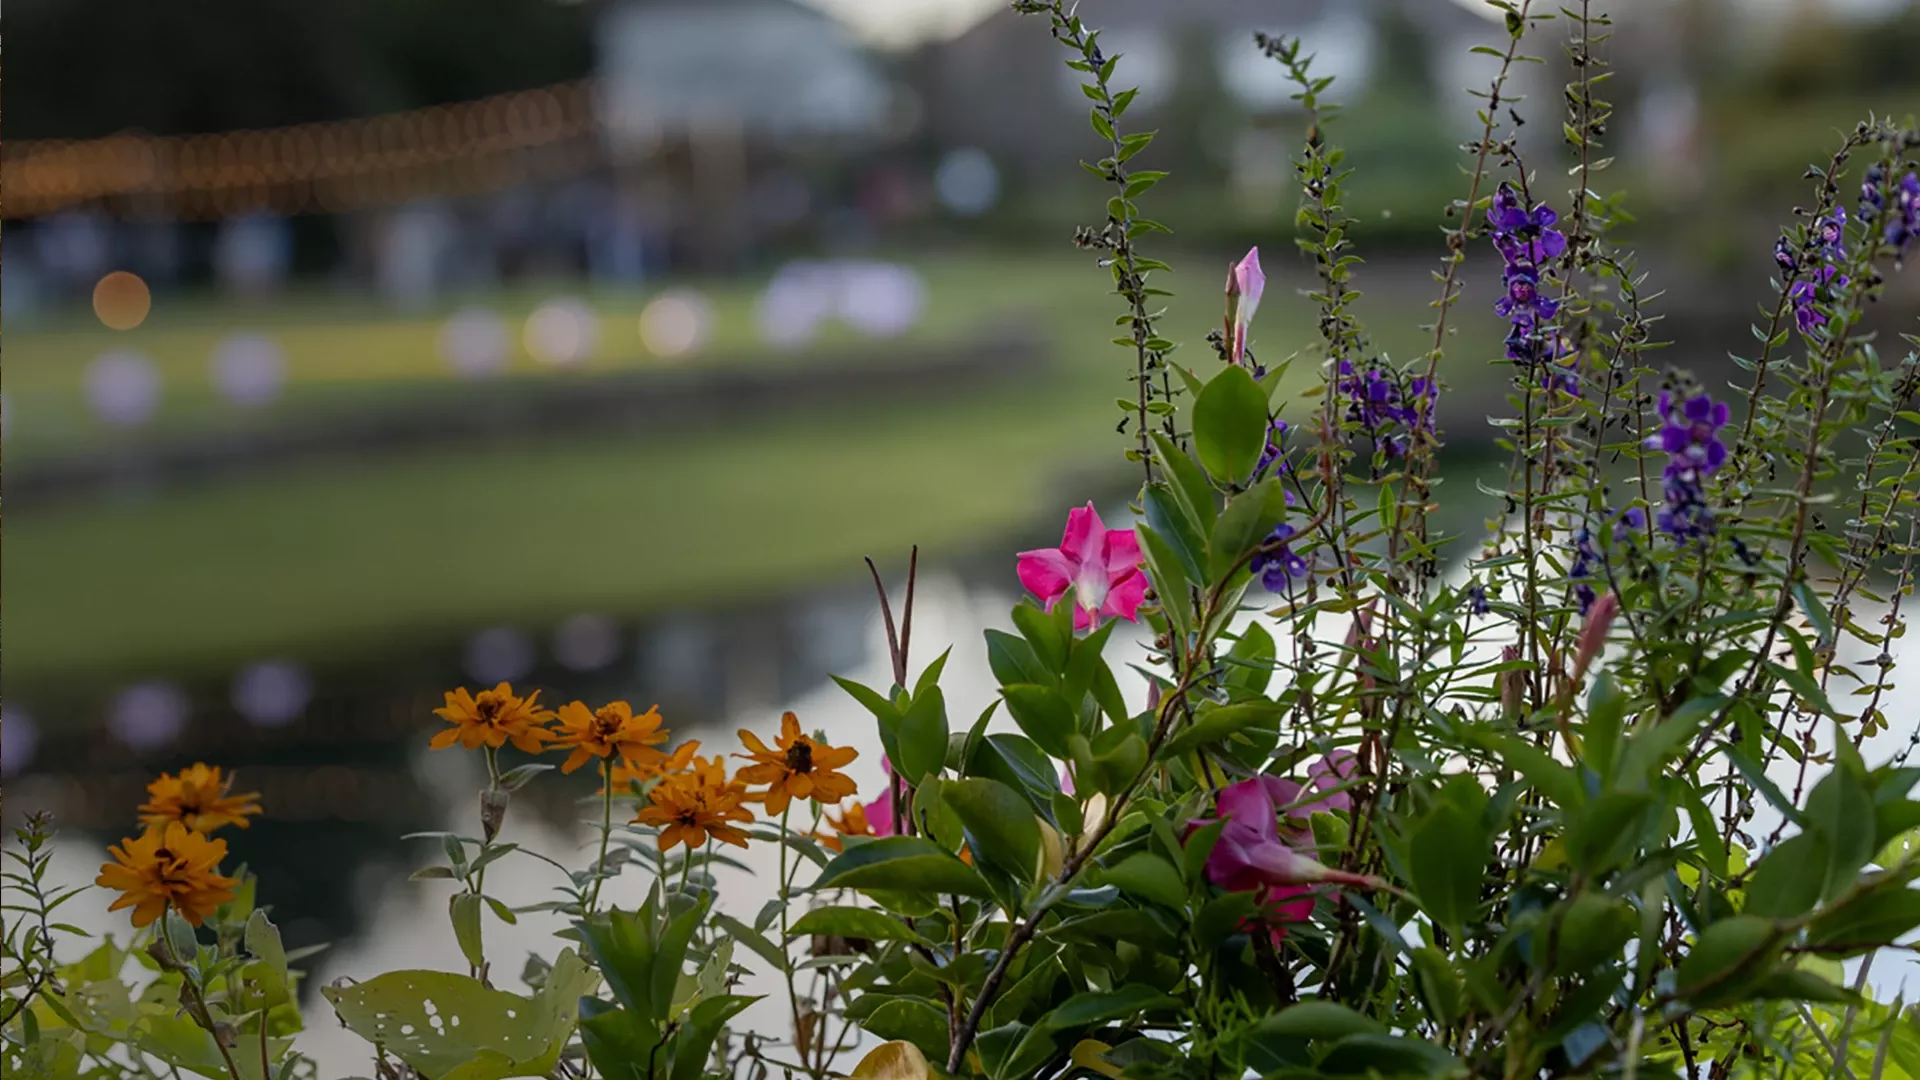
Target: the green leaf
pixel 1014 661
pixel 1216 722
pixel 850 922
pixel 1169 583
pixel 1387 1055
pixel 1838 808
pixel 753 939
pixel 1252 660
pixel 1815 610
pixel 691 1048
pixel 1606 713
pixel 1150 877
pixel 1017 762
pixel 1786 883
pixel 180 1042
pixel 901 864
pixel 1874 918
pixel 999 823
pixel 1606 833
pixel 1648 750
pixel 1248 519
pixel 624 948
pixel 1593 930
pixel 451 1027
pixel 1320 1020
pixel 912 1020
pixel 1043 714
pixel 1440 985
pixel 923 736
pixel 1049 644
pixel 1099 1007
pixel 1446 860
pixel 1197 496
pixel 1793 984
pixel 1230 425
pixel 1727 960
pixel 181 941
pixel 464 910
pixel 1554 780
pixel 1170 522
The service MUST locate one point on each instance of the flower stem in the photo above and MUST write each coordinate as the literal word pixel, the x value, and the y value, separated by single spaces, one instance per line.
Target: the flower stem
pixel 606 830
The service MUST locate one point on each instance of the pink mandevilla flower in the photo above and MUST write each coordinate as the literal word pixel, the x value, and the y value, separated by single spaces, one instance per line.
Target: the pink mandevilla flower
pixel 1255 855
pixel 1245 283
pixel 1098 565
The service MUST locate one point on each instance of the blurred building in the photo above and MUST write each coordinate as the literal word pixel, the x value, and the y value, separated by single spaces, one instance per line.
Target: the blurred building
pixel 704 103
pixel 1003 85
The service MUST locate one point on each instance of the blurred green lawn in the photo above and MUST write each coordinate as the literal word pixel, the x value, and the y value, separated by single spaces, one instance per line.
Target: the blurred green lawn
pixel 333 561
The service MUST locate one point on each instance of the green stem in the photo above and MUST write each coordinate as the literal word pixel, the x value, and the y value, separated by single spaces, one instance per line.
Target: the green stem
pixel 793 992
pixel 606 830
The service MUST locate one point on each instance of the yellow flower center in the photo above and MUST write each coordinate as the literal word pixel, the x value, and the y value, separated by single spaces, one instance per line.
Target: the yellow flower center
pixel 606 723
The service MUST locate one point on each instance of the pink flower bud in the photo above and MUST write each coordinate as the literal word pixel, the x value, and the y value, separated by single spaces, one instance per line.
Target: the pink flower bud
pixel 1593 636
pixel 1245 283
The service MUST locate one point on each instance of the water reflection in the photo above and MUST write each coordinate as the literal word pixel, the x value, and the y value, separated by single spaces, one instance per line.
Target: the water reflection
pixel 352 774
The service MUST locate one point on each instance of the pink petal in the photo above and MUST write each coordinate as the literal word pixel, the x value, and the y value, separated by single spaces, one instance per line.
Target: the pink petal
pixel 1252 281
pixel 1329 773
pixel 1289 904
pixel 1284 793
pixel 1123 552
pixel 1125 596
pixel 1046 573
pixel 880 814
pixel 1085 538
pixel 1082 618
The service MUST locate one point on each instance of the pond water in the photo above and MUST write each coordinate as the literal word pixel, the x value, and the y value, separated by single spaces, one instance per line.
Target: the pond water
pixel 349 773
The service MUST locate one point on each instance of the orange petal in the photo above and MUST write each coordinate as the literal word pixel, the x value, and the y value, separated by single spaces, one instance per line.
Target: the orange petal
pixel 752 742
pixel 833 757
pixel 789 729
pixel 445 739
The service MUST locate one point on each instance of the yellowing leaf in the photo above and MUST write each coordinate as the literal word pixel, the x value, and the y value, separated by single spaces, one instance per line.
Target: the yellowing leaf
pixel 897 1060
pixel 1087 1053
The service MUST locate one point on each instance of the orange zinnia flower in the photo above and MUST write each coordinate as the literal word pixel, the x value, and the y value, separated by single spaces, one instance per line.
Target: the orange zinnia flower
pixel 626 774
pixel 492 718
pixel 799 769
pixel 197 798
pixel 168 866
pixel 688 807
pixel 853 822
pixel 606 731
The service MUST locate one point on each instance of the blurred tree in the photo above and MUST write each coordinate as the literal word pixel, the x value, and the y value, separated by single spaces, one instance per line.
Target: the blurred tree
pixel 85 68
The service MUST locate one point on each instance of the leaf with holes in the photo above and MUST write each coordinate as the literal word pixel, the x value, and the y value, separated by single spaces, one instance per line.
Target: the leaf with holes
pixel 452 1027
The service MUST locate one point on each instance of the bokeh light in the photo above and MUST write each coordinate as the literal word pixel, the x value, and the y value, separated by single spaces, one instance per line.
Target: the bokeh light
pixel 272 693
pixel 562 333
pixel 586 642
pixel 148 715
pixel 675 323
pixel 967 181
pixel 881 299
pixel 249 369
pixel 121 300
pixel 19 740
pixel 794 304
pixel 501 654
pixel 123 388
pixel 474 342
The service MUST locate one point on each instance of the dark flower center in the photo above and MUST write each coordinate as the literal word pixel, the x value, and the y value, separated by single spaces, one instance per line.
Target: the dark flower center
pixel 487 708
pixel 800 756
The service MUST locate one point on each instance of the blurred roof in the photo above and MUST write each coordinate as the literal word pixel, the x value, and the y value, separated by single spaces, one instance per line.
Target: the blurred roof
pixel 771 66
